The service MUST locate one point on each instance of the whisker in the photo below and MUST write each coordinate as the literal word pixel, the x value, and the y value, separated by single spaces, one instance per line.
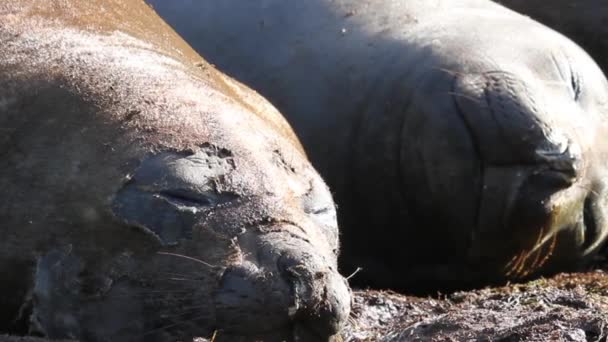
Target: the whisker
pixel 214 336
pixel 539 253
pixel 354 273
pixel 179 279
pixel 188 258
pixel 146 295
pixel 516 265
pixel 550 251
pixel 163 328
pixel 535 250
pixel 174 274
pixel 510 263
pixel 522 264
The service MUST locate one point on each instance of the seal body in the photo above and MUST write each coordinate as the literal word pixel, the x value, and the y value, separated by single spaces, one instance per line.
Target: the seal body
pixel 147 196
pixel 582 21
pixel 462 140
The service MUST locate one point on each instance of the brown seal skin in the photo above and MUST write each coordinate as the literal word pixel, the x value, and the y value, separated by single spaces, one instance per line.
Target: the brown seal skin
pixel 464 142
pixel 145 195
pixel 583 21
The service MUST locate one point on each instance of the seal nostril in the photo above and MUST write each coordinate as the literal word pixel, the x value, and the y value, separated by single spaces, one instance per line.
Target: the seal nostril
pixel 590 223
pixel 553 179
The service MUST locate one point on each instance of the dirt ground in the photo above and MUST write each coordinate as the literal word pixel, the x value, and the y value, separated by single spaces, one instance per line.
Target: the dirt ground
pixel 565 307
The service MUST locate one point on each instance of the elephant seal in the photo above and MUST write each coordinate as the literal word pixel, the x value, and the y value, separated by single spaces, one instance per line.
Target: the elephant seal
pixel 583 21
pixel 147 196
pixel 463 141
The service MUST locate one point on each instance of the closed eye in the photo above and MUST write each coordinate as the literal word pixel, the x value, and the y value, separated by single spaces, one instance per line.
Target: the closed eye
pixel 188 198
pixel 185 198
pixel 575 83
pixel 320 211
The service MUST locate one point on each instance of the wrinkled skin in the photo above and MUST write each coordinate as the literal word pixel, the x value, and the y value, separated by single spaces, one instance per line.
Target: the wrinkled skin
pixel 464 142
pixel 148 197
pixel 583 21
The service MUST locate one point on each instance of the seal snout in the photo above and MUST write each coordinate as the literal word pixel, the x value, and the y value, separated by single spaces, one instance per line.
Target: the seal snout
pixel 288 285
pixel 321 297
pixel 534 163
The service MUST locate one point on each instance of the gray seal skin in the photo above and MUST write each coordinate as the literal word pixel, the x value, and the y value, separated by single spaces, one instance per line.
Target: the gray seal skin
pixel 583 21
pixel 463 141
pixel 147 196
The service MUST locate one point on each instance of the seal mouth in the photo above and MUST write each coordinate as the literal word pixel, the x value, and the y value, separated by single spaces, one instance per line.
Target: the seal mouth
pixel 573 231
pixel 594 231
pixel 524 207
pixel 591 231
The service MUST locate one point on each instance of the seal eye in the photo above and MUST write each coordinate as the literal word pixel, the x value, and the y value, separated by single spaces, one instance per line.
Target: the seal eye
pixel 170 191
pixel 575 84
pixel 187 198
pixel 318 203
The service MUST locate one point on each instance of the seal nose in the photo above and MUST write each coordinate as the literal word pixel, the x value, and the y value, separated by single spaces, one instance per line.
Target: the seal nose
pixel 526 157
pixel 321 297
pixel 509 125
pixel 287 284
pixel 560 161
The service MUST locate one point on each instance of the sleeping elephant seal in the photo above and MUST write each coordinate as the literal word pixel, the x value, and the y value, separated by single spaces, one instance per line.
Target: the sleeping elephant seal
pixel 464 142
pixel 148 197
